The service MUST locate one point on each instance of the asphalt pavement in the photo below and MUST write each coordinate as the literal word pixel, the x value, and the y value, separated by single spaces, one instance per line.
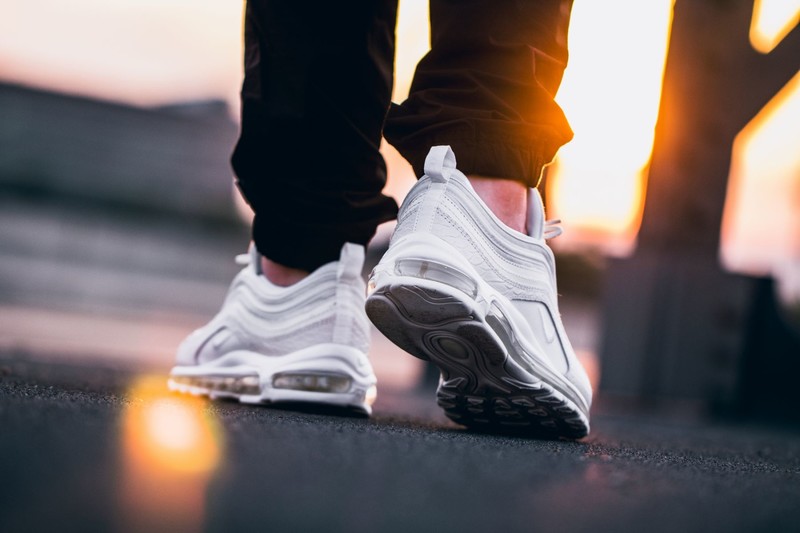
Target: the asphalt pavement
pixel 106 448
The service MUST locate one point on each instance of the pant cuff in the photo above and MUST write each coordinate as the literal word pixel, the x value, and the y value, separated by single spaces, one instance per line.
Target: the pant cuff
pixel 502 155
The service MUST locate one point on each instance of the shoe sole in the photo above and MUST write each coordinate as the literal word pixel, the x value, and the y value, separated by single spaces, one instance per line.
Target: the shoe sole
pixel 481 387
pixel 249 378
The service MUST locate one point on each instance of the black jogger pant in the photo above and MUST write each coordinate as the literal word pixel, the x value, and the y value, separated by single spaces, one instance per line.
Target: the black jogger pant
pixel 316 99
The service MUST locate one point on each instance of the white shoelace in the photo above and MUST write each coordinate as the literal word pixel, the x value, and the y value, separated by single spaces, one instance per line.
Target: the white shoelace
pixel 552 228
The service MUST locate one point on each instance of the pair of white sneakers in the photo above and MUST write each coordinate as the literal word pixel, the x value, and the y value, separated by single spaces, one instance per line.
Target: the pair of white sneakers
pixel 456 287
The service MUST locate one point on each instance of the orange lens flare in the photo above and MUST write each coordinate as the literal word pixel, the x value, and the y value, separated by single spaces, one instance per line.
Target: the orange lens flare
pixel 169 432
pixel 170 447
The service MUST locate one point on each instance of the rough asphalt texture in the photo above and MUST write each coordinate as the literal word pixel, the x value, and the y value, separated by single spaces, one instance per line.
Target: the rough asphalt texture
pixel 405 469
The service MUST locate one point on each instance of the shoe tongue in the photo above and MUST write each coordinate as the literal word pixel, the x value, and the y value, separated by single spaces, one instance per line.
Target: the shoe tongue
pixel 535 224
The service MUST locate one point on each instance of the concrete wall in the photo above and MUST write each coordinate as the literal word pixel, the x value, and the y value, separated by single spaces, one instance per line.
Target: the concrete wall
pixel 173 159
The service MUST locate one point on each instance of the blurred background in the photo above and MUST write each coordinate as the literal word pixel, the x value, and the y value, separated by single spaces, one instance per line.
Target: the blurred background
pixel 679 267
pixel 119 220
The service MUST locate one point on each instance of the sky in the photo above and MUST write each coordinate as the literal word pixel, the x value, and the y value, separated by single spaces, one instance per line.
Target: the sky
pixel 138 51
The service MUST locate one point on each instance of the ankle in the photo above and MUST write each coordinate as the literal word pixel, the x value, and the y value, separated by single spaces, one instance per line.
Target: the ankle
pixel 507 199
pixel 281 275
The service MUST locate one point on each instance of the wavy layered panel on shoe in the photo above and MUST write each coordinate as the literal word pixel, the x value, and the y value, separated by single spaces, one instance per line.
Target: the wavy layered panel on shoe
pixel 518 266
pixel 273 320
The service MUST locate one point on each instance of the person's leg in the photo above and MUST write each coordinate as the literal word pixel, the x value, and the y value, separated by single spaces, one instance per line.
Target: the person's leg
pixel 468 281
pixel 292 327
pixel 317 86
pixel 486 89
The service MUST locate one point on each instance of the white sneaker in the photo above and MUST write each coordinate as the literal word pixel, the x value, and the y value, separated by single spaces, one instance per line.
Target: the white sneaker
pixel 303 343
pixel 461 289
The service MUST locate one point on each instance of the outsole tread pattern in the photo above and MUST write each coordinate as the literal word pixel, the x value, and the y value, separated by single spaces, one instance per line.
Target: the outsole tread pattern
pixel 477 389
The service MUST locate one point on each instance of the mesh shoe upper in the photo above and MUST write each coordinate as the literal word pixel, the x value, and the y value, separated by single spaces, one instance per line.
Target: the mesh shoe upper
pixel 258 316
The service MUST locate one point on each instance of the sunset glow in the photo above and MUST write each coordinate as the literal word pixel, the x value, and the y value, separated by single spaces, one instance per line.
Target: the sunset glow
pixel 144 52
pixel 610 93
pixel 761 223
pixel 772 20
pixel 761 226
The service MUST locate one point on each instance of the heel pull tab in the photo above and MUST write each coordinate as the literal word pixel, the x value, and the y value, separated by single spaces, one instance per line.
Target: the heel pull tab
pixel 440 163
pixel 351 261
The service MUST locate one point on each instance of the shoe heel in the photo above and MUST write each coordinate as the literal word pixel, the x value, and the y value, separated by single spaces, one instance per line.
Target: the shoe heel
pixel 408 309
pixel 433 322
